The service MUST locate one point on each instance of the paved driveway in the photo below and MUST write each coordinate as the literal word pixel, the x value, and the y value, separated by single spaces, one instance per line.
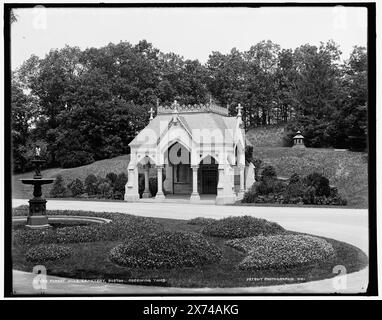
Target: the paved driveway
pixel 349 225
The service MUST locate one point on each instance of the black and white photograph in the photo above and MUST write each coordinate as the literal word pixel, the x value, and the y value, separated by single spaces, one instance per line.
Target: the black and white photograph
pixel 190 149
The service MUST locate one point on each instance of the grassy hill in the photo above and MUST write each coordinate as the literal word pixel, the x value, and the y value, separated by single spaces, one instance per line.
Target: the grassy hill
pixel 266 136
pixel 346 170
pixel 100 168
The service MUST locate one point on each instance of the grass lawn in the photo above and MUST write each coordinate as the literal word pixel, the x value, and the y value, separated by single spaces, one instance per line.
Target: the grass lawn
pixel 91 261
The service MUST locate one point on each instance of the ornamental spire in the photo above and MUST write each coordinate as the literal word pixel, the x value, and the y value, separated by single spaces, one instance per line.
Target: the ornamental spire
pixel 151 113
pixel 239 108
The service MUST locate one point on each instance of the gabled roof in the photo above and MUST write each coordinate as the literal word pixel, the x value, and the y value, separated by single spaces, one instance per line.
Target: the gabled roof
pixel 191 121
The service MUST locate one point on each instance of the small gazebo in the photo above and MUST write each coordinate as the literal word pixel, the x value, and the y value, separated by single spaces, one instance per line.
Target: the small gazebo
pixel 298 140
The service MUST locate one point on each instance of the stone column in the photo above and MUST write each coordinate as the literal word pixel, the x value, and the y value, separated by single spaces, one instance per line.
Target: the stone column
pixel 160 194
pixel 225 186
pixel 146 192
pixel 242 189
pixel 131 188
pixel 194 195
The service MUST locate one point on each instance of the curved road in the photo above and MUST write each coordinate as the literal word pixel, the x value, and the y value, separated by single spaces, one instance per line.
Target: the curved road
pixel 348 225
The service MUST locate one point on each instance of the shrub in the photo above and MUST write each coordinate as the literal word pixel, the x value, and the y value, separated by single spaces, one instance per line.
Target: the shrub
pixel 241 227
pixel 120 183
pixel 269 185
pixel 200 221
pixel 251 195
pixel 141 183
pixel 249 153
pixel 257 163
pixel 104 189
pixel 112 177
pixel 122 226
pixel 282 251
pixel 319 182
pixel 153 186
pixel 165 250
pixel 91 184
pixel 59 189
pixel 268 172
pixel 76 187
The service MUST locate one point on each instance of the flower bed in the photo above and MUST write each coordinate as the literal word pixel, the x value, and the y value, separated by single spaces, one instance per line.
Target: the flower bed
pixel 200 221
pixel 122 226
pixel 241 227
pixel 281 251
pixel 50 252
pixel 165 250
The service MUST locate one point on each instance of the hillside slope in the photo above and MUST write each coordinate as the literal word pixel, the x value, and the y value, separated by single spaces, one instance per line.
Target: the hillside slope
pixel 347 170
pixel 99 168
pixel 266 136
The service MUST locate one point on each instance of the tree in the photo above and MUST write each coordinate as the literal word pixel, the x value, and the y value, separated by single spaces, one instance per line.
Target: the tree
pixel 23 114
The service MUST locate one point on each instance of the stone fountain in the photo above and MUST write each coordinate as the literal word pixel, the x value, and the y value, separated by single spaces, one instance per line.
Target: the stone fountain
pixel 37 217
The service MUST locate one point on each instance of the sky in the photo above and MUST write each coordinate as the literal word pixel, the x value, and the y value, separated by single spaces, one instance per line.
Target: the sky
pixel 191 32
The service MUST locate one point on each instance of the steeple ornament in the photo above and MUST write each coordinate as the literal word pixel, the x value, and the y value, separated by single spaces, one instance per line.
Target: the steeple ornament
pixel 151 113
pixel 239 108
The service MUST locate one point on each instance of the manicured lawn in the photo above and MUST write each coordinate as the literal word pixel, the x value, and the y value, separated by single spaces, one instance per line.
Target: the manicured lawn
pixel 91 261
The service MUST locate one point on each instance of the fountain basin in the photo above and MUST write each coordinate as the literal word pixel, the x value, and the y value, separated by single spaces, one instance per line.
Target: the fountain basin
pixel 20 220
pixel 37 181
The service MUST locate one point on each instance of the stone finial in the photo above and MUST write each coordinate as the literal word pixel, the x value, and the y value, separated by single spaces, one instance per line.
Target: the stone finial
pixel 239 108
pixel 151 113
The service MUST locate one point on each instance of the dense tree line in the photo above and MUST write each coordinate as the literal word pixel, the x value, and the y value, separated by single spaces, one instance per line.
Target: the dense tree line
pixel 84 105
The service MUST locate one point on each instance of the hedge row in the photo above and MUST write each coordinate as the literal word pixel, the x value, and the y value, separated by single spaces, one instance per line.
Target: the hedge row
pixel 112 186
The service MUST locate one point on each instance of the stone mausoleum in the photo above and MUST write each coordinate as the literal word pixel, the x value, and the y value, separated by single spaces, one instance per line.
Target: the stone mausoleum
pixel 194 150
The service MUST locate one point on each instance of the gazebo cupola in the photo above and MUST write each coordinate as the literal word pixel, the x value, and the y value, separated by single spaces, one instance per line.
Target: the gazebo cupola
pixel 298 140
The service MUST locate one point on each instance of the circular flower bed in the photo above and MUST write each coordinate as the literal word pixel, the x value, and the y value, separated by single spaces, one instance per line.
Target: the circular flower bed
pixel 282 251
pixel 50 252
pixel 165 250
pixel 241 227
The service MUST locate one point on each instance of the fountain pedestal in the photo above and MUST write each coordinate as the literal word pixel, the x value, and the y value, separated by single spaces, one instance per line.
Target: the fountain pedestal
pixel 37 206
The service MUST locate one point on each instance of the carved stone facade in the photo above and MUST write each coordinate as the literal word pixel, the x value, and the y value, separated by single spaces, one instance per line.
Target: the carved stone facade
pixel 193 150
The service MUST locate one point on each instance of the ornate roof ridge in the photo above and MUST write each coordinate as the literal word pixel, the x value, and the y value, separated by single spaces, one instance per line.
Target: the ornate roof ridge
pixel 209 107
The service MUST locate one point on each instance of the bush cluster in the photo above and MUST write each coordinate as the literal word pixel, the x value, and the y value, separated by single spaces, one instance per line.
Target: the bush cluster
pixel 281 251
pixel 153 184
pixel 121 227
pixel 165 250
pixel 110 187
pixel 312 189
pixel 241 227
pixel 49 252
